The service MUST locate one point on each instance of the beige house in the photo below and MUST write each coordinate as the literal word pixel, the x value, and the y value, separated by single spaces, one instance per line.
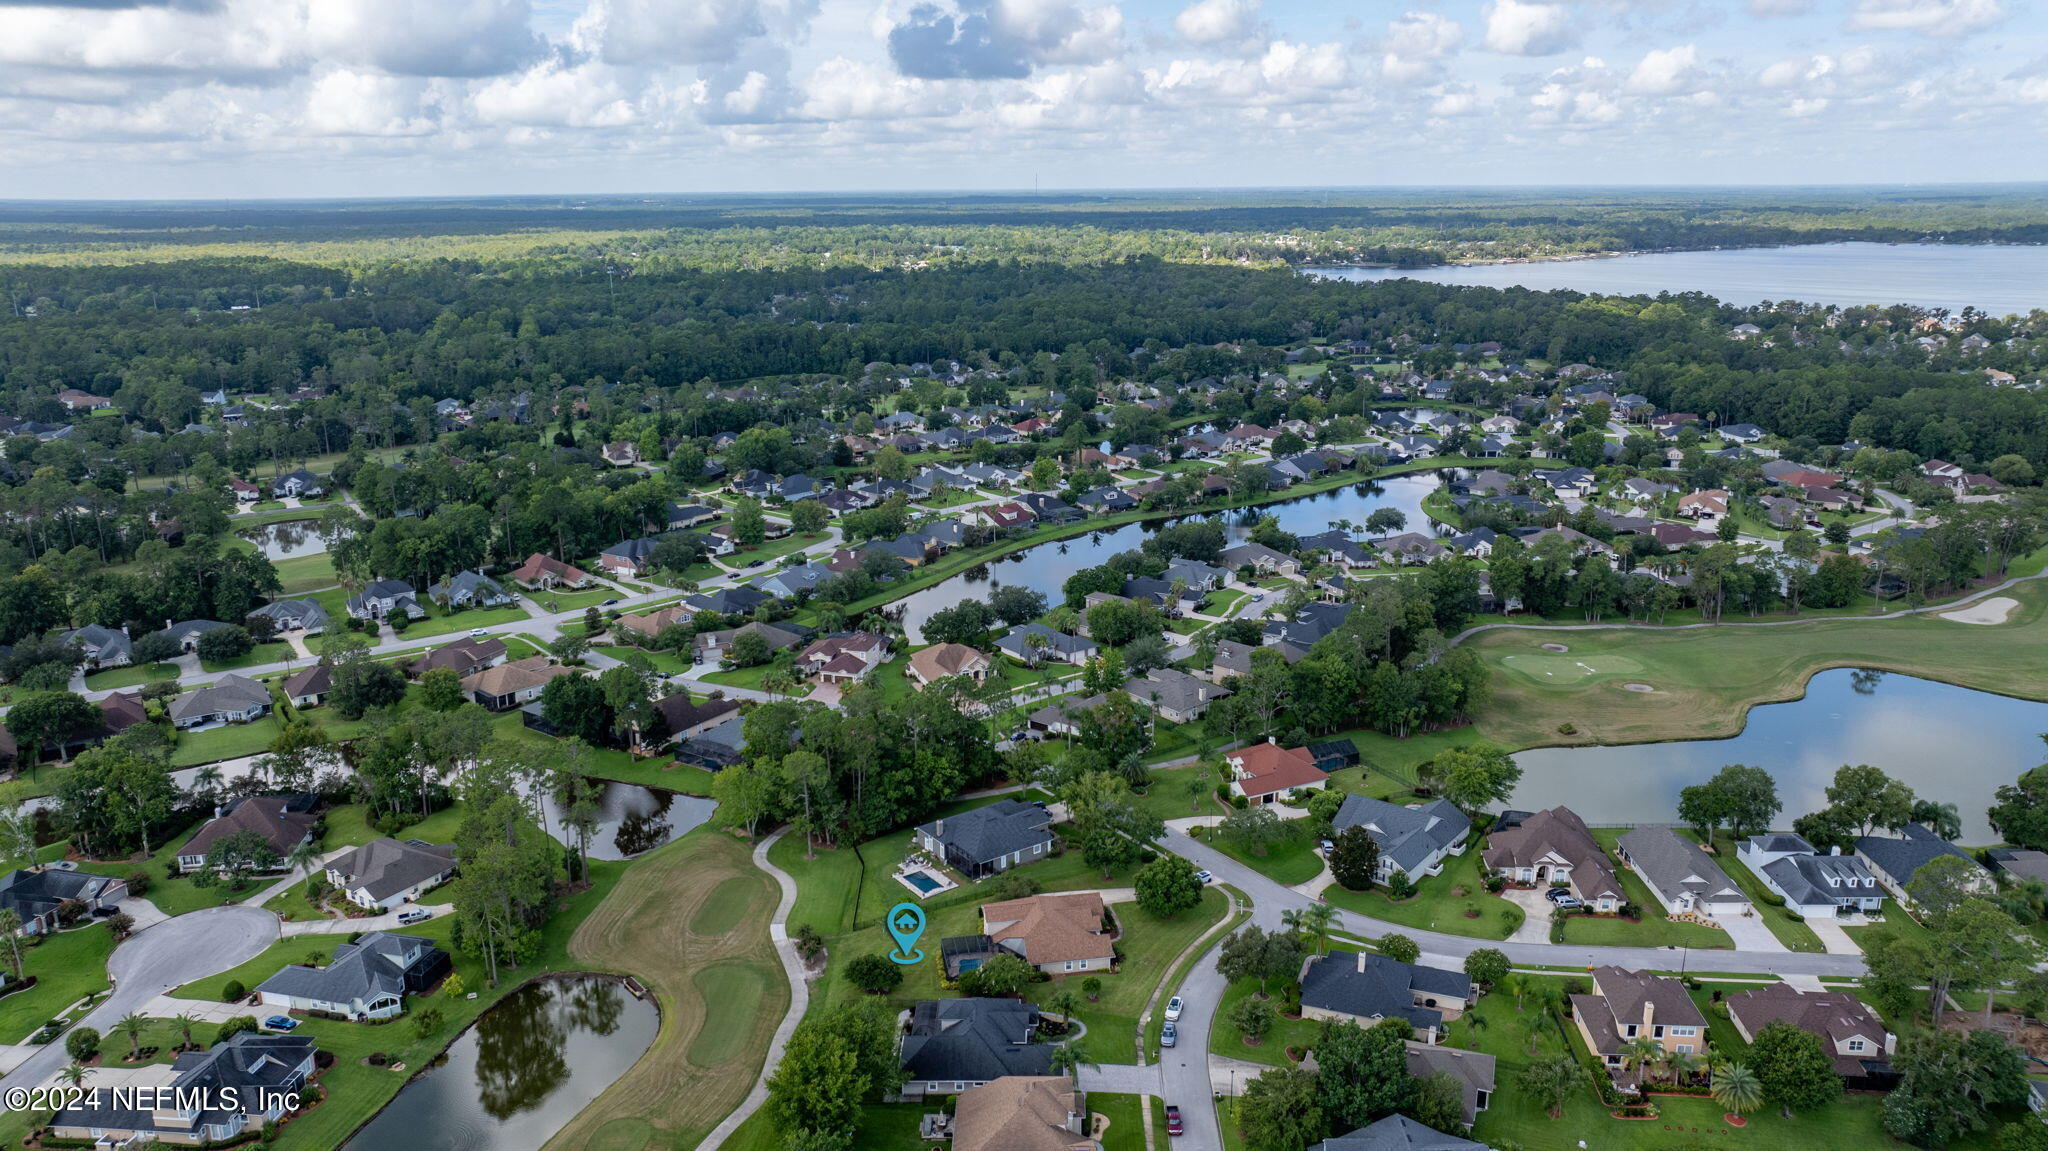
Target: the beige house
pixel 945 660
pixel 514 684
pixel 1023 1113
pixel 1629 1005
pixel 1057 934
pixel 1551 849
pixel 1850 1031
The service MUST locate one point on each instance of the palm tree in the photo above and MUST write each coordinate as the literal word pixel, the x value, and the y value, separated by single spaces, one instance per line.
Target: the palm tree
pixel 1063 1059
pixel 132 1025
pixel 75 1074
pixel 1681 1064
pixel 1737 1088
pixel 186 1022
pixel 1063 1003
pixel 10 930
pixel 302 857
pixel 1312 921
pixel 1641 1054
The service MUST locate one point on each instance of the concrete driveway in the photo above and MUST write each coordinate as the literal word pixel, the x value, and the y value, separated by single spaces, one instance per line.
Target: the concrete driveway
pixel 1536 911
pixel 1750 933
pixel 157 959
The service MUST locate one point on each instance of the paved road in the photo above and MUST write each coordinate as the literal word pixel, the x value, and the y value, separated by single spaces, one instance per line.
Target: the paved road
pixel 156 959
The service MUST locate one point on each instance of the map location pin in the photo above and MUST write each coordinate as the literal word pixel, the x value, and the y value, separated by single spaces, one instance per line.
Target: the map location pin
pixel 906 923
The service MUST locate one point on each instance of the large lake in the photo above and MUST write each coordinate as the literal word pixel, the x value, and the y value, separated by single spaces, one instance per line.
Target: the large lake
pixel 1996 278
pixel 1045 567
pixel 1948 743
pixel 512 1081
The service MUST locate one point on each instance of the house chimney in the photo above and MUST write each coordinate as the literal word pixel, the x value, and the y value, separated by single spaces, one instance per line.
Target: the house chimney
pixel 1835 849
pixel 938 827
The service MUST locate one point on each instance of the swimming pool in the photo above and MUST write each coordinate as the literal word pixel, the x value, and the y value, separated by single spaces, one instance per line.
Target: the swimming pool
pixel 923 881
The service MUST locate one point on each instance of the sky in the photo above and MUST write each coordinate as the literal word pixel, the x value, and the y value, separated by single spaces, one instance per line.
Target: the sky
pixel 267 98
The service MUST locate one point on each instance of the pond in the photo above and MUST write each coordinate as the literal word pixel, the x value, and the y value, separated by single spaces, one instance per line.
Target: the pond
pixel 282 541
pixel 1996 278
pixel 1947 743
pixel 634 820
pixel 518 1076
pixel 1045 567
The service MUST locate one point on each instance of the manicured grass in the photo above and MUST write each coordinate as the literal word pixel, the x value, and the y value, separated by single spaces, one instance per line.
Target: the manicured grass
pixel 289 950
pixel 1126 1130
pixel 1708 678
pixel 1896 922
pixel 1791 932
pixel 560 601
pixel 229 742
pixel 1225 1039
pixel 721 994
pixel 1287 861
pixel 263 653
pixel 751 679
pixel 1149 945
pixel 462 621
pixel 302 574
pixel 613 763
pixel 67 966
pixel 1434 907
pixel 134 675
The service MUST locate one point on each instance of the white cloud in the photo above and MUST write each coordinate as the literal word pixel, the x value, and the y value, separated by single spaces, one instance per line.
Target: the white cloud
pixel 1665 72
pixel 435 38
pixel 345 103
pixel 1208 22
pixel 556 94
pixel 1928 17
pixel 1523 29
pixel 1415 45
pixel 843 89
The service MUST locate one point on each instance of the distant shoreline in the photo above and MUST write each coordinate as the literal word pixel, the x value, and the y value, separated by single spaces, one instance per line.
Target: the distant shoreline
pixel 1576 257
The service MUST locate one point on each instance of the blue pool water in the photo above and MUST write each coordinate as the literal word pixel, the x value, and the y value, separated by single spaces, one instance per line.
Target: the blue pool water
pixel 922 882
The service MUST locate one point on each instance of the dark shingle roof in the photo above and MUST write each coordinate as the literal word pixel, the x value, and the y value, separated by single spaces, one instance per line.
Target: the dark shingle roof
pixel 987 833
pixel 973 1040
pixel 1372 986
pixel 1407 836
pixel 1397 1133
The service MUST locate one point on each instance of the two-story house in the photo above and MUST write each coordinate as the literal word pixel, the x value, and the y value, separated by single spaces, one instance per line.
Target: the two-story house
pixel 1629 1005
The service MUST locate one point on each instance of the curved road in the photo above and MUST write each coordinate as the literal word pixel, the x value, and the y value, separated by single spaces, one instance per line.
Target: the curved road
pixel 157 959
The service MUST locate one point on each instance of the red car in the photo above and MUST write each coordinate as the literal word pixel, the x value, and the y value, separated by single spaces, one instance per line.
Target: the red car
pixel 1173 1120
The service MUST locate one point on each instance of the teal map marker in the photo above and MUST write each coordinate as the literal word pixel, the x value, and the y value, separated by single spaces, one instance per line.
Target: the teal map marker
pixel 906 923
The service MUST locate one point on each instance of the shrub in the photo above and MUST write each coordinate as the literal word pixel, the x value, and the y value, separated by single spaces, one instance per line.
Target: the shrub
pixel 82 1044
pixel 808 941
pixel 234 1027
pixel 873 974
pixel 232 991
pixel 139 882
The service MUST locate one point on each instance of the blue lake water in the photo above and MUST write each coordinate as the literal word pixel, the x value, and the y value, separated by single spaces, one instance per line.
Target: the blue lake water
pixel 1995 278
pixel 1948 743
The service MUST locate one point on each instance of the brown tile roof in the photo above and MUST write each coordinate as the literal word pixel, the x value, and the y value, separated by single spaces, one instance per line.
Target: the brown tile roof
pixel 1050 928
pixel 651 623
pixel 540 564
pixel 461 655
pixel 508 678
pixel 1835 1016
pixel 315 680
pixel 1020 1113
pixel 941 660
pixel 263 814
pixel 1558 832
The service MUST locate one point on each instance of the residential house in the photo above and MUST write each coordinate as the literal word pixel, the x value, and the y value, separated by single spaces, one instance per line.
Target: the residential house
pixel 187 632
pixel 300 484
pixel 1814 886
pixel 35 895
pixel 229 699
pixel 1742 433
pixel 632 557
pixel 244 491
pixel 1174 695
pixel 282 821
pixel 716 747
pixel 2019 863
pixel 651 624
pixel 1056 934
pixel 1642 492
pixel 1261 559
pixel 383 597
pixel 1023 1113
pixel 844 657
pixel 75 400
pixel 1629 1005
pixel 1708 506
pixel 945 660
pixel 118 711
pixel 620 453
pixel 952 1045
pixel 1056 646
pixel 309 688
pixel 464 657
pixel 984 840
pixel 1411 548
pixel 509 685
pixel 102 647
pixel 726 601
pixel 387 873
pixel 1266 772
pixel 1681 873
pixel 469 589
pixel 1894 859
pixel 1853 1035
pixel 717 645
pixel 1363 987
pixel 302 615
pixel 1414 840
pixel 677 517
pixel 1553 849
pixel 685 721
pixel 1396 1133
pixel 209 1098
pixel 1472 1071
pixel 367 979
pixel 543 572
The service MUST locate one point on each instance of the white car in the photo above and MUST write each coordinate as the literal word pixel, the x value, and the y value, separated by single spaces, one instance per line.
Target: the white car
pixel 1173 1007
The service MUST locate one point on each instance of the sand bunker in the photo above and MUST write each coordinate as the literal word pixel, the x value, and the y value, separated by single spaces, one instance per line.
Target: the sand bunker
pixel 1994 610
pixel 1637 687
pixel 1555 647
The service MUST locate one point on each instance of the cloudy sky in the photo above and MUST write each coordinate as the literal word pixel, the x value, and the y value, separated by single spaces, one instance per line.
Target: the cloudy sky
pixel 240 98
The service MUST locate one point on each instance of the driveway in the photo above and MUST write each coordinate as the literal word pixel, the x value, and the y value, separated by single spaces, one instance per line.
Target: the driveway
pixel 1750 933
pixel 1833 938
pixel 156 959
pixel 1536 911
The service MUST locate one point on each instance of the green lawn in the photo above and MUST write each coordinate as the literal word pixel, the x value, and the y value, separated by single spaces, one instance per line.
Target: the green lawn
pixel 68 966
pixel 462 621
pixel 134 675
pixel 172 893
pixel 1896 921
pixel 263 653
pixel 1149 945
pixel 1126 1131
pixel 1288 861
pixel 1791 932
pixel 229 742
pixel 1226 1040
pixel 302 574
pixel 1436 905
pixel 560 601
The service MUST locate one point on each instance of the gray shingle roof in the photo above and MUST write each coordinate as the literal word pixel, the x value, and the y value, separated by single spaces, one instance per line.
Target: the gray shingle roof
pixel 1397 1133
pixel 385 867
pixel 987 833
pixel 364 970
pixel 1916 847
pixel 1407 836
pixel 1372 986
pixel 1672 864
pixel 1808 880
pixel 973 1040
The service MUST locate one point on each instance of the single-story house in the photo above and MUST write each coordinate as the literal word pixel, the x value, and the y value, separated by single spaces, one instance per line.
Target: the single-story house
pixel 367 979
pixel 510 685
pixel 264 1071
pixel 716 645
pixel 1056 646
pixel 385 873
pixel 293 615
pixel 1364 987
pixel 230 699
pixel 35 895
pixel 1264 772
pixel 463 657
pixel 1056 934
pixel 469 589
pixel 1894 859
pixel 945 660
pixel 309 688
pixel 101 646
pixel 685 720
pixel 1397 1133
pixel 984 840
pixel 1814 886
pixel 1023 1113
pixel 1681 873
pixel 1473 1071
pixel 543 572
pixel 383 597
pixel 283 821
pixel 298 484
pixel 1174 695
pixel 1553 849
pixel 1414 840
pixel 952 1045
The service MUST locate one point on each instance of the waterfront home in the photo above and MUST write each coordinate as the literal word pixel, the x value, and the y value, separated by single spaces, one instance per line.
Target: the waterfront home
pixel 515 684
pixel 1853 1035
pixel 1629 1005
pixel 944 661
pixel 1414 840
pixel 984 840
pixel 385 873
pixel 1681 873
pixel 229 699
pixel 1362 987
pixel 1553 849
pixel 1814 886
pixel 1056 934
pixel 1055 646
pixel 1266 772
pixel 1894 859
pixel 241 1085
pixel 367 979
pixel 952 1045
pixel 283 822
pixel 308 688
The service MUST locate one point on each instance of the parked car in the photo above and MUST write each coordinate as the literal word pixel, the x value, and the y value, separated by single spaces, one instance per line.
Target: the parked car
pixel 477 633
pixel 1173 1125
pixel 1173 1007
pixel 1169 1035
pixel 416 915
pixel 1561 897
pixel 280 1023
pixel 1203 876
pixel 609 603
